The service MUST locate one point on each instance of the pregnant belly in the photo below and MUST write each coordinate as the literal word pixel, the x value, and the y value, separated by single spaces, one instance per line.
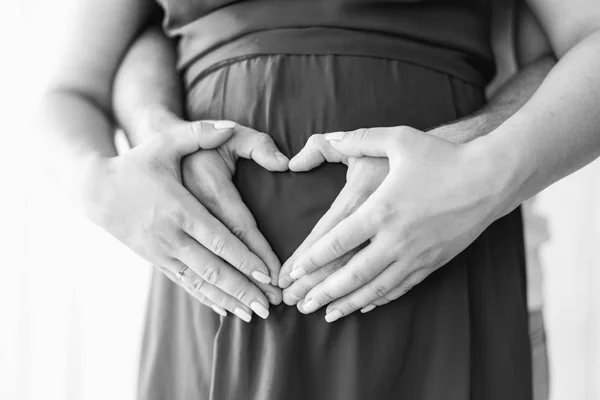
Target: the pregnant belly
pixel 292 97
pixel 362 356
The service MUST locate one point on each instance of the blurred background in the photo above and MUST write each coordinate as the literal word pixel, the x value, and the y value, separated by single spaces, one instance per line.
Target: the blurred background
pixel 72 299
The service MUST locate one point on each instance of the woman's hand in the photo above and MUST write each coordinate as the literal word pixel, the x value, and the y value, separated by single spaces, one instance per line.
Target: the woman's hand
pixel 437 198
pixel 364 176
pixel 139 198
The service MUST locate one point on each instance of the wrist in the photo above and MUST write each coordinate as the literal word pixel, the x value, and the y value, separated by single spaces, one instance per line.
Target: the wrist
pixel 90 186
pixel 502 172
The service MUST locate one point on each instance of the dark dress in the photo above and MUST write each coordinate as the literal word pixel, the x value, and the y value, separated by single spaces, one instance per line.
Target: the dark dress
pixel 298 67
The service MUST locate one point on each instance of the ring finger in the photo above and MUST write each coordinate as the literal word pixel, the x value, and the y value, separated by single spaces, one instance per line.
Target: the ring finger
pixel 218 273
pixel 207 293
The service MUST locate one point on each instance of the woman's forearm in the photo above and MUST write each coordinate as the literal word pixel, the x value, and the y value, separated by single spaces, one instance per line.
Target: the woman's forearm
pixel 147 86
pixel 73 125
pixel 72 132
pixel 555 133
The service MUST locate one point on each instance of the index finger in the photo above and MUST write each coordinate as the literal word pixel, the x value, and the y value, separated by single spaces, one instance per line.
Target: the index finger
pixel 315 152
pixel 345 236
pixel 336 213
pixel 372 142
pixel 360 270
pixel 258 146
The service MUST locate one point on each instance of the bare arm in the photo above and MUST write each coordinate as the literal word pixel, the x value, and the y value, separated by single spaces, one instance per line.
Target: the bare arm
pixel 148 102
pixel 75 127
pixel 147 87
pixel 534 59
pixel 364 174
pixel 138 197
pixel 558 126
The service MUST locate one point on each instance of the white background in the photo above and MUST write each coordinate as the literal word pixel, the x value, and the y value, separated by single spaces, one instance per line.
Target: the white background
pixel 72 299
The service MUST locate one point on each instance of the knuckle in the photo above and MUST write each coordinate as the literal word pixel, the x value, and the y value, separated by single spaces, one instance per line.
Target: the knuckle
pixel 262 138
pixel 176 217
pixel 179 245
pixel 315 141
pixel 357 278
pixel 241 294
pixel 311 261
pixel 225 303
pixel 163 244
pixel 240 232
pixel 326 296
pixel 244 265
pixel 211 275
pixel 383 212
pixel 218 245
pixel 351 305
pixel 360 134
pixel 381 290
pixel 335 247
pixel 199 285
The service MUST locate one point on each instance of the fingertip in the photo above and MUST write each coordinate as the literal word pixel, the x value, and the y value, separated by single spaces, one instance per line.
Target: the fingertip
pixel 290 299
pixel 276 162
pixel 282 158
pixel 296 165
pixel 274 299
pixel 284 281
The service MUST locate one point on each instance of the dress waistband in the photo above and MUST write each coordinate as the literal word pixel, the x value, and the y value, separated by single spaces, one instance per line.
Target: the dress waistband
pixel 333 41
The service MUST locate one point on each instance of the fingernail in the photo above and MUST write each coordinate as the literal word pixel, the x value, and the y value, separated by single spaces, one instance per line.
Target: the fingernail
pixel 297 273
pixel 290 299
pixel 224 125
pixel 259 309
pixel 310 306
pixel 367 308
pixel 219 311
pixel 334 136
pixel 333 316
pixel 280 156
pixel 242 314
pixel 261 277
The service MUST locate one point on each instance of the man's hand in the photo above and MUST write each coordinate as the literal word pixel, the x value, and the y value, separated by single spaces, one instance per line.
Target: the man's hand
pixel 139 198
pixel 434 202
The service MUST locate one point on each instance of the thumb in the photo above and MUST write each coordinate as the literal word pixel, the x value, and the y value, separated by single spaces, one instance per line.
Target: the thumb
pixel 371 142
pixel 315 152
pixel 189 137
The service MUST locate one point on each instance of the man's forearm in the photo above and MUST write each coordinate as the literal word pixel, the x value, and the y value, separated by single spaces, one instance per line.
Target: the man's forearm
pixel 506 102
pixel 147 86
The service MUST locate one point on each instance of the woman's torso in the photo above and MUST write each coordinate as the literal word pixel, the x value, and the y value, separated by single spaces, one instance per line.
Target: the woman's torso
pixel 293 68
